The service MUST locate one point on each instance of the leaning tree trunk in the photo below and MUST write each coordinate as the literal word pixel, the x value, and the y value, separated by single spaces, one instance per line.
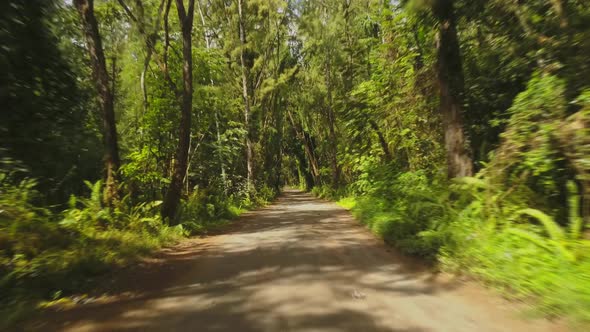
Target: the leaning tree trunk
pixel 172 198
pixel 382 140
pixel 245 96
pixel 308 146
pixel 101 82
pixel 304 169
pixel 451 84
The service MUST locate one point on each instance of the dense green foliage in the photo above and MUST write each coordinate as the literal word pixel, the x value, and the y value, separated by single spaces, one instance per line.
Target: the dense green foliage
pixel 521 222
pixel 43 253
pixel 377 103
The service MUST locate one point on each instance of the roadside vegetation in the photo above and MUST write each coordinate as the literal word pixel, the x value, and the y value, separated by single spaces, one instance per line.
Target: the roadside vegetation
pixel 518 224
pixel 48 254
pixel 458 131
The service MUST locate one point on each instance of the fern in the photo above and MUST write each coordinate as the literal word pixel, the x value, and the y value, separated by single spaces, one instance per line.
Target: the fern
pixel 543 243
pixel 473 182
pixel 551 227
pixel 575 221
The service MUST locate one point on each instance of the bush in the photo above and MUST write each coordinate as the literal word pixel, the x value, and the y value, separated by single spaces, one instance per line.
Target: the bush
pixel 518 224
pixel 523 251
pixel 209 209
pixel 203 211
pixel 327 192
pixel 483 230
pixel 401 210
pixel 43 253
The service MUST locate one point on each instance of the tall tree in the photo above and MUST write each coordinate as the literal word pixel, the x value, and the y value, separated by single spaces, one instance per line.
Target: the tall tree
pixel 105 95
pixel 246 65
pixel 149 38
pixel 206 32
pixel 451 84
pixel 172 198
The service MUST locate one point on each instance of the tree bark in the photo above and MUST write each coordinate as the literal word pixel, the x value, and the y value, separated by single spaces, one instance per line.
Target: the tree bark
pixel 245 64
pixel 105 95
pixel 560 6
pixel 304 168
pixel 308 147
pixel 451 84
pixel 172 198
pixel 332 131
pixel 574 143
pixel 382 141
pixel 313 159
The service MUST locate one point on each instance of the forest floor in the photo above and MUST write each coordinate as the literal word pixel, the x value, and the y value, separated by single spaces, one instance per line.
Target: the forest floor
pixel 300 264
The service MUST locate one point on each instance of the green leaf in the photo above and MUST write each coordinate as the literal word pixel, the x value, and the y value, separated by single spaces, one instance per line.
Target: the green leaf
pixel 551 227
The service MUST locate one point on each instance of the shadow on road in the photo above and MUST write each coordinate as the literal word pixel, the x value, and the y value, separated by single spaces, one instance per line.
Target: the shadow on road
pixel 300 264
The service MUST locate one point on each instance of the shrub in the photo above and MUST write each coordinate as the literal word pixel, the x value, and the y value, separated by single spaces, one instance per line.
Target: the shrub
pixel 43 253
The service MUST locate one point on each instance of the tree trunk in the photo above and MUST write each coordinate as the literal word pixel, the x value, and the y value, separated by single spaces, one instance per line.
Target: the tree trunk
pixel 278 147
pixel 574 143
pixel 313 160
pixel 219 155
pixel 382 141
pixel 450 79
pixel 559 6
pixel 304 169
pixel 332 131
pixel 180 163
pixel 307 142
pixel 101 82
pixel 245 95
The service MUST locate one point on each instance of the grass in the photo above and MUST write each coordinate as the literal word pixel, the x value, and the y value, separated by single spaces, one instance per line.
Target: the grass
pixel 56 272
pixel 347 202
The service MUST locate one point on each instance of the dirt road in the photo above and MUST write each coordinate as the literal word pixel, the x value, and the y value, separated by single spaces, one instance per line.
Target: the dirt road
pixel 301 264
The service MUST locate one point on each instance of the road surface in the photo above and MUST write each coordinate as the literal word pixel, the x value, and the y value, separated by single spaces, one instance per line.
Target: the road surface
pixel 301 264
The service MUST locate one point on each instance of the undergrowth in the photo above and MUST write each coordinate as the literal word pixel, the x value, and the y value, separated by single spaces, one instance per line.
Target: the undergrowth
pixel 46 254
pixel 471 227
pixel 205 210
pixel 517 225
